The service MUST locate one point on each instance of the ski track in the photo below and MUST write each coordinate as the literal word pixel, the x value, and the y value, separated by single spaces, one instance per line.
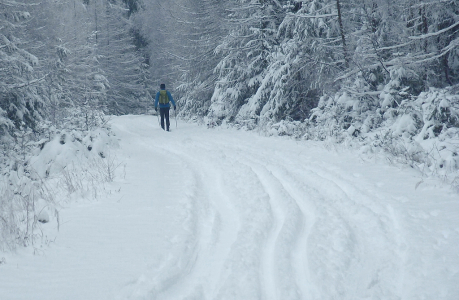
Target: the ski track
pixel 266 224
pixel 277 223
pixel 345 246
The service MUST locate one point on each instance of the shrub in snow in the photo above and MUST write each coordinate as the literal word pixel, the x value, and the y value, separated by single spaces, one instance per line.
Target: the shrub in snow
pixel 38 168
pixel 440 112
pixel 421 131
pixel 22 205
pixel 285 128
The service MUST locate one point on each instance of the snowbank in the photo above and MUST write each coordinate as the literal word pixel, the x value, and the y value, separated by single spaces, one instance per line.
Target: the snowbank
pixel 71 165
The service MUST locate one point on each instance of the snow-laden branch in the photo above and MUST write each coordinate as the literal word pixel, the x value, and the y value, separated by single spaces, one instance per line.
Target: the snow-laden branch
pixel 425 4
pixel 15 3
pixel 185 58
pixel 355 71
pixel 362 94
pixel 443 52
pixel 424 36
pixel 312 16
pixel 394 46
pixel 17 86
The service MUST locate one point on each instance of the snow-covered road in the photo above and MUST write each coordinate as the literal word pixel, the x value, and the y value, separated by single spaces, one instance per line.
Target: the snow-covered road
pixel 225 214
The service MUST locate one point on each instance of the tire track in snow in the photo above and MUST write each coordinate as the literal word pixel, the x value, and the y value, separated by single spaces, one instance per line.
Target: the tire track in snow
pixel 171 278
pixel 175 265
pixel 216 232
pixel 274 227
pixel 241 277
pixel 348 243
pixel 271 229
pixel 284 238
pixel 359 250
pixel 287 233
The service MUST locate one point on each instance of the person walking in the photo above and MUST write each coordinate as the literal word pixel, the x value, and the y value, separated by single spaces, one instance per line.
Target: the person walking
pixel 164 98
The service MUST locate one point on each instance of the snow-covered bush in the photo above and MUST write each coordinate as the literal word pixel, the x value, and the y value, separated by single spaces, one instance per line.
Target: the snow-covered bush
pixel 421 131
pixel 24 203
pixel 43 169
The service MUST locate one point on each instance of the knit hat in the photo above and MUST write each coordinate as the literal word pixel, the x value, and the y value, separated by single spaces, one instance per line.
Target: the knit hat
pixel 162 86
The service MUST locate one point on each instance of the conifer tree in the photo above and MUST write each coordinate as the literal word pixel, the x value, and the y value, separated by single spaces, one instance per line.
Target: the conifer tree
pixel 246 54
pixel 20 103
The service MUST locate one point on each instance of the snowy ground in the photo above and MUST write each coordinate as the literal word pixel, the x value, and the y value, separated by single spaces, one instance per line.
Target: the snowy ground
pixel 223 214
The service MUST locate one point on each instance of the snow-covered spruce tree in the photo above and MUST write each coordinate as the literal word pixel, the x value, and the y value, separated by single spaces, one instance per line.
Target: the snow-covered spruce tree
pixel 204 30
pixel 301 66
pixel 311 50
pixel 123 65
pixel 20 104
pixel 78 69
pixel 433 37
pixel 394 58
pixel 246 54
pixel 104 70
pixel 367 28
pixel 21 101
pixel 157 26
pixel 43 30
pixel 407 43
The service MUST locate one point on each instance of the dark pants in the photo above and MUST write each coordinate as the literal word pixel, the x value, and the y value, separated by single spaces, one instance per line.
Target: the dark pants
pixel 164 112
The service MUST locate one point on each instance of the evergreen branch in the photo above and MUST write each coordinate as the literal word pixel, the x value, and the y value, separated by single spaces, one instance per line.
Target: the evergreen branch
pixel 17 86
pixel 312 16
pixel 424 36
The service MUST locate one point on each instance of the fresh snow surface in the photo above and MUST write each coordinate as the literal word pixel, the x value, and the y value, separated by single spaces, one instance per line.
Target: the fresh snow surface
pixel 225 214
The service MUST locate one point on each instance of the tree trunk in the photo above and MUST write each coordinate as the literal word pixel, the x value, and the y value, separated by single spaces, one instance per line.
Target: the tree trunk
pixel 95 18
pixel 341 29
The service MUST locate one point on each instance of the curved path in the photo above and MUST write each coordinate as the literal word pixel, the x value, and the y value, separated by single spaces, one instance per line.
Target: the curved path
pixel 271 218
pixel 224 214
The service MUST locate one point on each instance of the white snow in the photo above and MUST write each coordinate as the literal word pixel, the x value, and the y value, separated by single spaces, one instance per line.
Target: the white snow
pixel 225 214
pixel 404 124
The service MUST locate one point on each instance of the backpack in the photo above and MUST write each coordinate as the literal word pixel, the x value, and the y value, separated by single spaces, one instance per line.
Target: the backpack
pixel 163 97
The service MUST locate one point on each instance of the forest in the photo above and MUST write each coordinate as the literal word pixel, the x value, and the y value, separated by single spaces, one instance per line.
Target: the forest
pixel 378 75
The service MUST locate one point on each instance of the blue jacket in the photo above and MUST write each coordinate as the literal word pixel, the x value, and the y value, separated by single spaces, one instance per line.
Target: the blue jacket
pixel 164 105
